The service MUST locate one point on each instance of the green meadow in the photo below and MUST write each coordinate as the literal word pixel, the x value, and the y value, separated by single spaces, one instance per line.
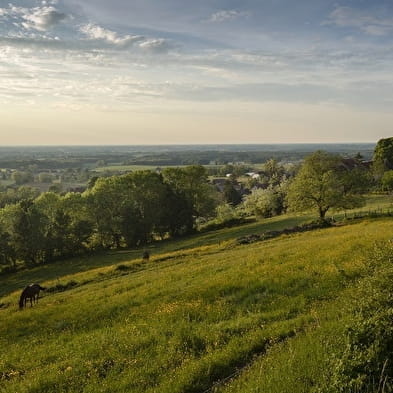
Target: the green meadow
pixel 129 168
pixel 204 314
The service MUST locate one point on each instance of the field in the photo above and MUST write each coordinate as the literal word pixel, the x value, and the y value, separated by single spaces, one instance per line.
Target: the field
pixel 129 168
pixel 201 310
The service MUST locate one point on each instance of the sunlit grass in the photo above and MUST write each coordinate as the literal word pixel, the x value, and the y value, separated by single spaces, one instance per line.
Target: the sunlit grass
pixel 184 320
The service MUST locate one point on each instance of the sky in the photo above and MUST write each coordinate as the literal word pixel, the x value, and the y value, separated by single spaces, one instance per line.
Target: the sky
pixel 96 72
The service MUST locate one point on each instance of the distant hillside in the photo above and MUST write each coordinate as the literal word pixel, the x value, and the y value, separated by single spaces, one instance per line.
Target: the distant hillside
pixel 62 157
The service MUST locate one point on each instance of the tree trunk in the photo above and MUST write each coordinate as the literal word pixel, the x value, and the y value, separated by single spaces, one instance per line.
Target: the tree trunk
pixel 322 213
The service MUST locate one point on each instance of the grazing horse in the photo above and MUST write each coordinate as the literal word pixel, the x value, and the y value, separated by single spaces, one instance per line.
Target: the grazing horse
pixel 31 292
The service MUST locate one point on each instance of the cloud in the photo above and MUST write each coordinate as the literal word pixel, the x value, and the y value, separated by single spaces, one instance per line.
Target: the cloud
pixel 227 15
pixel 156 45
pixel 95 32
pixel 98 33
pixel 366 22
pixel 40 18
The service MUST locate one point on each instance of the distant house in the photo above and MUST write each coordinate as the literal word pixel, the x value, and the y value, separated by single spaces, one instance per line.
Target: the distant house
pixel 219 184
pixel 253 175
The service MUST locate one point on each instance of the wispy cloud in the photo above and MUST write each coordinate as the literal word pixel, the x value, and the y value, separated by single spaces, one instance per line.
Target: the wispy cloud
pixel 39 18
pixel 228 15
pixel 98 33
pixel 365 21
pixel 95 32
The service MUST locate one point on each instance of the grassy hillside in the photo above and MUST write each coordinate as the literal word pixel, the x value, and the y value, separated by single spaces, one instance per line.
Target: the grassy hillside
pixel 201 310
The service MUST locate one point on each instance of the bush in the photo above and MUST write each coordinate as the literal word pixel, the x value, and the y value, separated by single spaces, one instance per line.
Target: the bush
pixel 227 216
pixel 264 202
pixel 366 364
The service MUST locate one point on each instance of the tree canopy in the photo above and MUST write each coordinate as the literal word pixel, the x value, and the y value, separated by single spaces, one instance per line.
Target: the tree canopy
pixel 324 183
pixel 383 156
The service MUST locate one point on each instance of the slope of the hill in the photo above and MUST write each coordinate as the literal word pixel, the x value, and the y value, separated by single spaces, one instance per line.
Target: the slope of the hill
pixel 185 320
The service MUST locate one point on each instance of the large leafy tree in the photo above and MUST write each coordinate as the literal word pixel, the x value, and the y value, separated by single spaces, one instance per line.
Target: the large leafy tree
pixel 192 183
pixel 134 208
pixel 274 172
pixel 383 156
pixel 324 182
pixel 26 225
pixel 106 201
pixel 7 250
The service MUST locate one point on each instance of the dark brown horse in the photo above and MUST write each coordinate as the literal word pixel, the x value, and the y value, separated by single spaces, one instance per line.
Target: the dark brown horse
pixel 31 292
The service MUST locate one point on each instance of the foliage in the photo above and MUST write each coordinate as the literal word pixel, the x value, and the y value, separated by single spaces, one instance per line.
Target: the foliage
pixel 7 251
pixel 45 177
pixel 387 181
pixel 267 202
pixel 12 195
pixel 226 216
pixel 231 194
pixel 192 183
pixel 128 210
pixel 22 177
pixel 134 207
pixel 366 362
pixel 274 172
pixel 324 183
pixel 119 211
pixel 383 156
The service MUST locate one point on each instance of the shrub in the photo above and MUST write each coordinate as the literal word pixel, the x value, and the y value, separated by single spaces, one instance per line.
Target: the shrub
pixel 366 364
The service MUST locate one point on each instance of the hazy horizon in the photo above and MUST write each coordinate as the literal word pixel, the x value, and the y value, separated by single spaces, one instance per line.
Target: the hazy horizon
pixel 231 146
pixel 143 72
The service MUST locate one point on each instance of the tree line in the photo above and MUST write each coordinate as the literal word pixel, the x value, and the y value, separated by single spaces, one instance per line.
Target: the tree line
pixel 134 209
pixel 129 210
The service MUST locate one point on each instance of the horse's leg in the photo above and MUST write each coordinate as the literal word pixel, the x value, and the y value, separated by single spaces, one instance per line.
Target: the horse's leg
pixel 31 301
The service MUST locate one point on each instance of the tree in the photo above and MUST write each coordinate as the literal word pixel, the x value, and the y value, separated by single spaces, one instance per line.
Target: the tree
pixel 134 208
pixel 264 202
pixel 27 224
pixel 106 205
pixel 13 196
pixel 383 156
pixel 45 177
pixel 175 215
pixel 387 181
pixel 231 194
pixel 7 251
pixel 322 184
pixel 226 213
pixel 22 177
pixel 274 172
pixel 81 226
pixel 191 182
